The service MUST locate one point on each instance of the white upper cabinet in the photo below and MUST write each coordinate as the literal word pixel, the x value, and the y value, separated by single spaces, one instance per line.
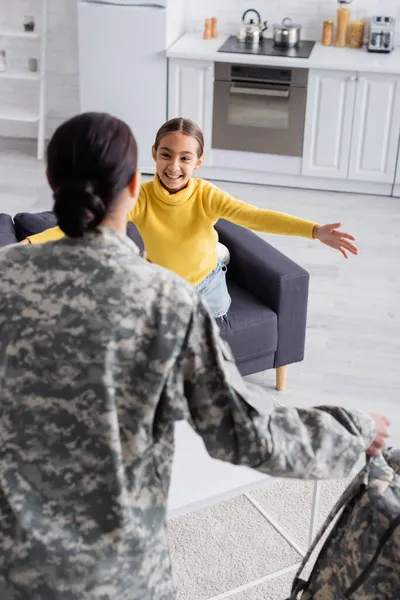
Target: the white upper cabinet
pixel 376 128
pixel 190 95
pixel 329 117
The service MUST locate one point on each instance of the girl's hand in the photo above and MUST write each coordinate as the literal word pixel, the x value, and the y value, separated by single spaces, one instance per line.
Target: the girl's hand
pixel 331 236
pixel 382 433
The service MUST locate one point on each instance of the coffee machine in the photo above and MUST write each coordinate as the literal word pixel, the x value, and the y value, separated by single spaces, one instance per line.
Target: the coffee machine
pixel 381 34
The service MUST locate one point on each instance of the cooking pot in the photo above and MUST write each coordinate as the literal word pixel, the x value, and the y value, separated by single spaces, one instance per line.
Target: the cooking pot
pixel 251 32
pixel 286 34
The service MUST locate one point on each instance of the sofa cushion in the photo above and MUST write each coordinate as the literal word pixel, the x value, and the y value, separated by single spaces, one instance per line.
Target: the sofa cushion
pixel 250 327
pixel 29 224
pixel 7 231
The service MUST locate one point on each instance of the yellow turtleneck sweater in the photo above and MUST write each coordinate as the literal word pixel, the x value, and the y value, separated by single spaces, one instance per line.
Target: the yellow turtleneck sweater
pixel 178 229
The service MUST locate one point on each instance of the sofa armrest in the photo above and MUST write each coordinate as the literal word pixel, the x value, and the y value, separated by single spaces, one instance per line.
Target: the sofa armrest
pixel 7 231
pixel 32 223
pixel 276 280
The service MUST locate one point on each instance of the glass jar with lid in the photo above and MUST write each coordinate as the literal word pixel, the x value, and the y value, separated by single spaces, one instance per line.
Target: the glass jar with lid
pixel 3 61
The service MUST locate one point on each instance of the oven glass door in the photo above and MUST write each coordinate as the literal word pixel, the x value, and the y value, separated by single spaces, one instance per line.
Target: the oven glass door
pixel 258 117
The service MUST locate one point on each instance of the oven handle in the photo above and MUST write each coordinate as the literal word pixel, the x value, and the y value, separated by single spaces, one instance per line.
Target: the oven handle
pixel 248 91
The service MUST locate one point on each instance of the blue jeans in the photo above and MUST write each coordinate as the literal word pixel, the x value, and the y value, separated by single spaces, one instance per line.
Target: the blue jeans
pixel 214 291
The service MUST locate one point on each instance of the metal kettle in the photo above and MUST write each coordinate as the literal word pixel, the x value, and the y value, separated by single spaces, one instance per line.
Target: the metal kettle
pixel 251 32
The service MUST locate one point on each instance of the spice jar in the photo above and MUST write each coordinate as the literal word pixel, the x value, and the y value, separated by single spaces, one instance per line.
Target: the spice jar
pixel 3 62
pixel 214 32
pixel 357 29
pixel 207 29
pixel 327 33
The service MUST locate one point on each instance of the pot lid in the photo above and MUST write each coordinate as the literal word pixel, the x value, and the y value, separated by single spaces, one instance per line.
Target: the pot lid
pixel 287 23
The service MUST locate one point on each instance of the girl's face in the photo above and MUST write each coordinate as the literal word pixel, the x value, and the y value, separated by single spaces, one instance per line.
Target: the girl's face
pixel 176 158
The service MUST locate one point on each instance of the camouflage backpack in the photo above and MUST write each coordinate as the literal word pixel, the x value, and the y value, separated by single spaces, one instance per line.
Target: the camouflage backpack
pixel 360 559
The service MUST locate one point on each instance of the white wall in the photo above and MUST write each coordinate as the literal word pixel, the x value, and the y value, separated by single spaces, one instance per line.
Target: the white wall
pixel 62 92
pixel 176 20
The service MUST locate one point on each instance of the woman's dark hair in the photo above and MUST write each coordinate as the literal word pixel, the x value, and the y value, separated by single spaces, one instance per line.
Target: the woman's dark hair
pixel 90 159
pixel 180 125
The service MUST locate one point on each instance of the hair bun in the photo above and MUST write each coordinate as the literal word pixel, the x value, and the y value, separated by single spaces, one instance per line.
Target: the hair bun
pixel 77 208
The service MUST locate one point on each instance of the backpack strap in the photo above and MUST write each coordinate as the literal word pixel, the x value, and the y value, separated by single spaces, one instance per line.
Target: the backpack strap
pixel 359 483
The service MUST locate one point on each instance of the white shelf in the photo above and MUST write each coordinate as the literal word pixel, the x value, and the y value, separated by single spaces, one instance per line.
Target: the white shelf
pixel 17 33
pixel 22 75
pixel 37 114
pixel 18 114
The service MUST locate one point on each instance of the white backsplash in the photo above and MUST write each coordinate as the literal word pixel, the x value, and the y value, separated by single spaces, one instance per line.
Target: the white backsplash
pixel 308 13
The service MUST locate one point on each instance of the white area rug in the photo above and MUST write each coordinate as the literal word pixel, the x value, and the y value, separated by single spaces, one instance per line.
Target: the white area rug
pixel 229 550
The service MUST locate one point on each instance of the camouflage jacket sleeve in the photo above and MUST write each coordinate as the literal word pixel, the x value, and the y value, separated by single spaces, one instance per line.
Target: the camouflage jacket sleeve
pixel 320 442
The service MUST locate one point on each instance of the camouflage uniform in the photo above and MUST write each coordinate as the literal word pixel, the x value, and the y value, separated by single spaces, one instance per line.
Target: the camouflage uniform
pixel 100 353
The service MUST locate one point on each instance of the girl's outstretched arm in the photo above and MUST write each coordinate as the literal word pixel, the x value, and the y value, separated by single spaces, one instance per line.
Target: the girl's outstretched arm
pixel 221 205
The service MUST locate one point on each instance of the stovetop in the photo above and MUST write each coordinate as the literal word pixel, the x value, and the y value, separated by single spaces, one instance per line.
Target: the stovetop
pixel 267 48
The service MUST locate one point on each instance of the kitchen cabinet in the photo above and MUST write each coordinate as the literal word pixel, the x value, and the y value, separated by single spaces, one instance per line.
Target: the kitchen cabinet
pixel 190 95
pixel 352 126
pixel 376 128
pixel 329 117
pixel 396 187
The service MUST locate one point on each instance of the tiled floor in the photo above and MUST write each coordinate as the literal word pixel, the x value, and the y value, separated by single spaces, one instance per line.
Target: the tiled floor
pixel 352 357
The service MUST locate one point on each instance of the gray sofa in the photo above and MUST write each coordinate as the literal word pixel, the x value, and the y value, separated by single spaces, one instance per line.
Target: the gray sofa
pixel 266 323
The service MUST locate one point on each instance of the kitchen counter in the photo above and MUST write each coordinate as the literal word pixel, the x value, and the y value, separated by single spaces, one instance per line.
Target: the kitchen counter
pixel 193 47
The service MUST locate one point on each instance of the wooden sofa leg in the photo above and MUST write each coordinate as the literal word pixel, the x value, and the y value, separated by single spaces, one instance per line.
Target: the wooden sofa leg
pixel 281 373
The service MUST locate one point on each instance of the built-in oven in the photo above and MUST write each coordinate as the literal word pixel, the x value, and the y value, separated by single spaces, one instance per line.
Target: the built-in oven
pixel 259 109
